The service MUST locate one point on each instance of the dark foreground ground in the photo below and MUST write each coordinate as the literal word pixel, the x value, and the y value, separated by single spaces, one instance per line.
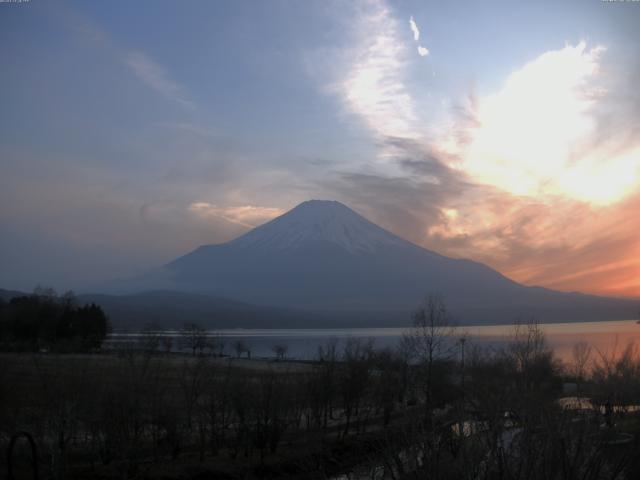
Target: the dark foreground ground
pixel 353 413
pixel 140 415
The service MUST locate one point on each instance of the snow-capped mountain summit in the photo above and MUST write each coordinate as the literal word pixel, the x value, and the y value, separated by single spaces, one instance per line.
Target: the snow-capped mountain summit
pixel 317 221
pixel 323 256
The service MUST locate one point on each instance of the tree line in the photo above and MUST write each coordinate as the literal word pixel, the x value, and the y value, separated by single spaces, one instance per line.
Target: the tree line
pixel 47 321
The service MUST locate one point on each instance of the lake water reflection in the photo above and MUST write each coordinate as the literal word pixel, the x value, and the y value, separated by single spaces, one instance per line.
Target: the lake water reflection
pixel 605 337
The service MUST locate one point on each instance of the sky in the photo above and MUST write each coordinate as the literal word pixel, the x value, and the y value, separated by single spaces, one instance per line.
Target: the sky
pixel 505 132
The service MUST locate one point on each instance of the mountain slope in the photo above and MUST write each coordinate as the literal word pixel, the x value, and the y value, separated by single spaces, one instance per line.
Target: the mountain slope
pixel 322 256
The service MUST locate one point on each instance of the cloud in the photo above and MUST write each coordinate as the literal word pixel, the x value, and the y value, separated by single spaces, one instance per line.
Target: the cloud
pixel 533 137
pixel 78 222
pixel 154 75
pixel 248 216
pixel 567 245
pixel 373 86
pixel 414 29
pixel 538 179
pixel 551 202
pixel 555 183
pixel 408 203
pixel 139 63
pixel 191 128
pixel 422 51
pixel 510 170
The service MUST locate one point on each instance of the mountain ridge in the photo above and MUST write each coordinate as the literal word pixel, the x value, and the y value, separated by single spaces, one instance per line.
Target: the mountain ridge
pixel 323 256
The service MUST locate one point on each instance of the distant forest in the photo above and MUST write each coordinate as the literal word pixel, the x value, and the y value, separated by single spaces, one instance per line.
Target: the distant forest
pixel 46 321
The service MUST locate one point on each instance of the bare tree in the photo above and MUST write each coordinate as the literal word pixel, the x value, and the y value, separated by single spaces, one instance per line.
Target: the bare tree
pixel 193 377
pixel 217 344
pixel 280 351
pixel 323 385
pixel 354 379
pixel 239 346
pixel 167 344
pixel 194 337
pixel 531 356
pixel 616 378
pixel 149 341
pixel 429 339
pixel 581 356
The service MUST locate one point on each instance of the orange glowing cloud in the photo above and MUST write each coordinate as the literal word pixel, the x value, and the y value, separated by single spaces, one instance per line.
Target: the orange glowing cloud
pixel 555 198
pixel 244 215
pixel 566 245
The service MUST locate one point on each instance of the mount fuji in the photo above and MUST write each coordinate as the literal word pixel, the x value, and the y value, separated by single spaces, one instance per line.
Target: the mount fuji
pixel 321 256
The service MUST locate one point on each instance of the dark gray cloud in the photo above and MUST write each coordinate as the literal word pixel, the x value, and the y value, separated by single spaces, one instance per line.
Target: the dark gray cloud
pixel 408 203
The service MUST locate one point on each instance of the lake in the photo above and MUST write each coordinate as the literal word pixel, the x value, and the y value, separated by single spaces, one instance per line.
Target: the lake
pixel 605 337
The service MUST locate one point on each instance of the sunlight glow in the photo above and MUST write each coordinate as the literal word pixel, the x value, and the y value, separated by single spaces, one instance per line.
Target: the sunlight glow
pixel 248 216
pixel 533 137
